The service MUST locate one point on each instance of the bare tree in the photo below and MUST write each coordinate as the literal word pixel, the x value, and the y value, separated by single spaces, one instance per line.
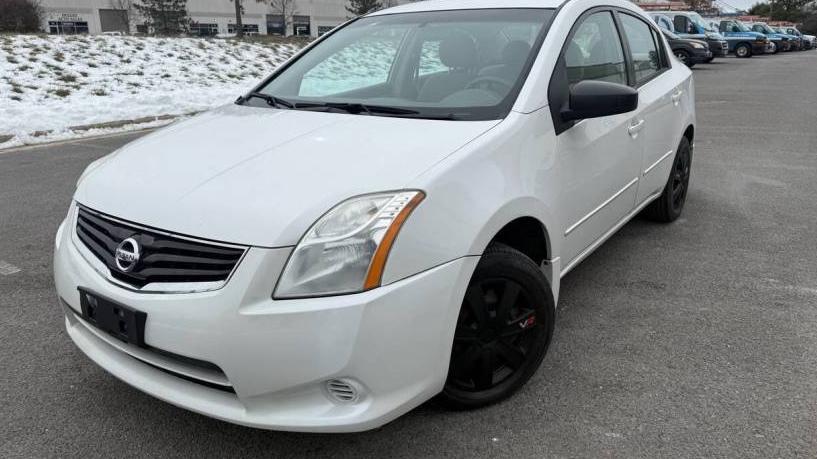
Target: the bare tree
pixel 283 8
pixel 20 15
pixel 239 26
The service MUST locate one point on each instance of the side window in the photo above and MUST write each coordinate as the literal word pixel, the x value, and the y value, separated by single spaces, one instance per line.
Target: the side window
pixel 430 61
pixel 643 47
pixel 594 52
pixel 680 23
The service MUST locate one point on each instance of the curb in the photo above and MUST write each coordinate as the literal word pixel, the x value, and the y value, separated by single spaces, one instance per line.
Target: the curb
pixel 106 125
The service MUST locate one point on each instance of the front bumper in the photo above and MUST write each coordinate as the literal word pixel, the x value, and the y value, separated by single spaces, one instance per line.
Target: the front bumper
pixel 719 48
pixel 700 56
pixel 759 47
pixel 270 359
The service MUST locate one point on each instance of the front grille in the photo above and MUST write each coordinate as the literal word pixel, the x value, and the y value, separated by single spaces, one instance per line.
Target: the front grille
pixel 162 257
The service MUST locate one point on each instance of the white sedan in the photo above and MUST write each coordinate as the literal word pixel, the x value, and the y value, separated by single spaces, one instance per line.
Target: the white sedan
pixel 383 220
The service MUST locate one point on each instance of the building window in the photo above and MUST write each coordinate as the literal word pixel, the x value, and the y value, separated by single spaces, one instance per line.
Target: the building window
pixel 142 28
pixel 324 29
pixel 113 20
pixel 67 27
pixel 199 29
pixel 301 26
pixel 249 29
pixel 276 25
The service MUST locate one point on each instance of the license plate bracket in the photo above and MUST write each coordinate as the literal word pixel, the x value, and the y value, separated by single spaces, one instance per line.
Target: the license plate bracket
pixel 119 321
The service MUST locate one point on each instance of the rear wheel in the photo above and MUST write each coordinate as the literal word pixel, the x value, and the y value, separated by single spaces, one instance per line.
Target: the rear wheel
pixel 667 207
pixel 743 50
pixel 503 330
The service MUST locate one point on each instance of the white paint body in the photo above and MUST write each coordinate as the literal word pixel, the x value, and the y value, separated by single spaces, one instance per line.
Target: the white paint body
pixel 261 177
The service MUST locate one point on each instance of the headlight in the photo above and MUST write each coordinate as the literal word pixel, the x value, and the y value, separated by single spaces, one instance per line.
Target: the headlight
pixel 698 45
pixel 345 251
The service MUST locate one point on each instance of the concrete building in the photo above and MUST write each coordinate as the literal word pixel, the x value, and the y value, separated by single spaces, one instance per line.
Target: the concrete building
pixel 208 17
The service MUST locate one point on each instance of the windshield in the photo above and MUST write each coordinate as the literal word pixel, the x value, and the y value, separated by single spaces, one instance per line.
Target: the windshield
pixel 741 26
pixel 765 28
pixel 699 21
pixel 459 64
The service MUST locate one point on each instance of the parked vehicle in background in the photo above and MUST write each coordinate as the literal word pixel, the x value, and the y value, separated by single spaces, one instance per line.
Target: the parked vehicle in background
pixel 688 24
pixel 687 50
pixel 781 42
pixel 743 42
pixel 384 219
pixel 807 40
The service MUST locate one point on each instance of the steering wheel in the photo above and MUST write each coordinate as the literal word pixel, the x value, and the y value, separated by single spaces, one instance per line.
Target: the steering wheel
pixel 498 85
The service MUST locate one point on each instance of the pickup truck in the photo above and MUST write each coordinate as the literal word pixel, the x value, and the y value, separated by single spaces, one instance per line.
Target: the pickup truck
pixel 781 41
pixel 743 42
pixel 809 41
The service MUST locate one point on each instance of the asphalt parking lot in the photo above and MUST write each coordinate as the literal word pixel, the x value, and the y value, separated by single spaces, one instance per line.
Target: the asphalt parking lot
pixel 693 339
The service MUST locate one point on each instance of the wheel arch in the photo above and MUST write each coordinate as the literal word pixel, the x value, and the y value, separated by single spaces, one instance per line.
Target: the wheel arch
pixel 689 133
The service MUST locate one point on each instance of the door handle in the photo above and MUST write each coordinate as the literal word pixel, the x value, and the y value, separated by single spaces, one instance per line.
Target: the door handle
pixel 635 127
pixel 676 96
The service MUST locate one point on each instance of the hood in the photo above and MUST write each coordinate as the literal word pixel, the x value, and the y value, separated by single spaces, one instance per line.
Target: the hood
pixel 260 176
pixel 700 42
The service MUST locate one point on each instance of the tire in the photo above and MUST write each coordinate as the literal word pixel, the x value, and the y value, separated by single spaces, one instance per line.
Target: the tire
pixel 668 207
pixel 684 57
pixel 503 331
pixel 743 50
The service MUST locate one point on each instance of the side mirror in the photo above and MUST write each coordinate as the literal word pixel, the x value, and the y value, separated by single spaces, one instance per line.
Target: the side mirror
pixel 594 99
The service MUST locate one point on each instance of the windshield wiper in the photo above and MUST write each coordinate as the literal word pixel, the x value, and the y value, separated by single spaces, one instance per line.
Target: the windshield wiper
pixel 357 108
pixel 270 99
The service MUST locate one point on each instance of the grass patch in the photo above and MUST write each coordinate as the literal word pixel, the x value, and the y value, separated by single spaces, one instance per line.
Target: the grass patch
pixel 12 59
pixel 67 78
pixel 100 92
pixel 61 92
pixel 59 56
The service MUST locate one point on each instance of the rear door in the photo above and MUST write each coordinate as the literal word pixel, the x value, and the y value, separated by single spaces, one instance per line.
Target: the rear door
pixel 660 92
pixel 599 157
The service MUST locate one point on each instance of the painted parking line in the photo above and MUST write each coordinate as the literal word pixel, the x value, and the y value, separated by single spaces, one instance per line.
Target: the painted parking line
pixel 8 268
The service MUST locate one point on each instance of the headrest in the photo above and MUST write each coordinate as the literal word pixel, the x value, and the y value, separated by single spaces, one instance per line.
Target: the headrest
pixel 458 50
pixel 515 53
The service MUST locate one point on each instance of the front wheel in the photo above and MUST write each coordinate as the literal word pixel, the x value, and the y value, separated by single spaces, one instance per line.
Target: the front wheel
pixel 503 330
pixel 743 50
pixel 667 207
pixel 684 57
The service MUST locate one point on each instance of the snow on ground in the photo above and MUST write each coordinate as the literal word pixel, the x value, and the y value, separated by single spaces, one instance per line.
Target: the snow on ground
pixel 50 83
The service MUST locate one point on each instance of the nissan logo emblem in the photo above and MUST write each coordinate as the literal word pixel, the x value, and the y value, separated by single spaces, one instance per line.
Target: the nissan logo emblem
pixel 127 254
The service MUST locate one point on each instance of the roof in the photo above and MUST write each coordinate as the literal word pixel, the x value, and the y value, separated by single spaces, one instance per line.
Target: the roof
pixel 439 5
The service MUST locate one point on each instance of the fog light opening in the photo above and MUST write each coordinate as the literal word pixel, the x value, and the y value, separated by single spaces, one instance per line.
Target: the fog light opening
pixel 343 391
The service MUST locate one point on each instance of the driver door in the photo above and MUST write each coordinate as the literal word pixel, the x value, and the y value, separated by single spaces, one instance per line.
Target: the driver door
pixel 599 158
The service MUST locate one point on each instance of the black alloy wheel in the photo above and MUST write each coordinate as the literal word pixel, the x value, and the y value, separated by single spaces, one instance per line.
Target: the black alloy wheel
pixel 503 330
pixel 668 207
pixel 679 177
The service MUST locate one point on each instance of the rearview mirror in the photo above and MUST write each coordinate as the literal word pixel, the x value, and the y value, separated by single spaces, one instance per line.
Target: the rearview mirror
pixel 594 99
